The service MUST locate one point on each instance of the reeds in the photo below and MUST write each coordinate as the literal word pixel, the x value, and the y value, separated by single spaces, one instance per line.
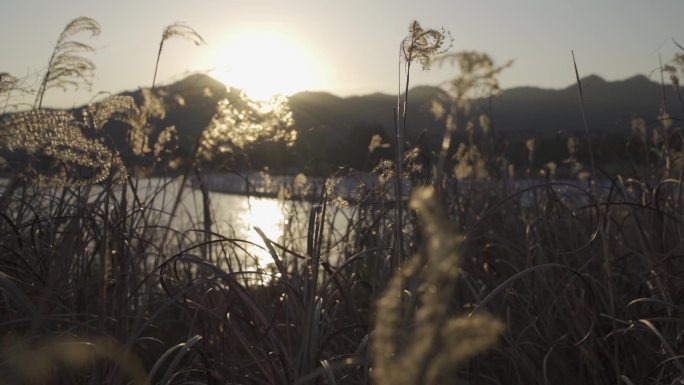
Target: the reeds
pixel 416 340
pixel 420 45
pixel 548 283
pixel 67 66
pixel 171 31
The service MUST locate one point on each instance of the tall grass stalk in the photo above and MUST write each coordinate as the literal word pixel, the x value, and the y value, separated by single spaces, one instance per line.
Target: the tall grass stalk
pixel 603 225
pixel 584 118
pixel 419 46
pixel 66 66
pixel 179 30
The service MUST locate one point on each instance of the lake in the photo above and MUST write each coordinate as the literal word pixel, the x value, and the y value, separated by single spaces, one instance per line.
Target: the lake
pixel 284 221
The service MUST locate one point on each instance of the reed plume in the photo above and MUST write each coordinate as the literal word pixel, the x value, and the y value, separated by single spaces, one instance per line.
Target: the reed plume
pixel 416 340
pixel 36 363
pixel 58 135
pixel 7 82
pixel 420 45
pixel 241 122
pixel 176 30
pixel 67 66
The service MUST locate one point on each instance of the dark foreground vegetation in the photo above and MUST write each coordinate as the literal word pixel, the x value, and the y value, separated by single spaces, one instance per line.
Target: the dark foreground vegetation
pixel 474 278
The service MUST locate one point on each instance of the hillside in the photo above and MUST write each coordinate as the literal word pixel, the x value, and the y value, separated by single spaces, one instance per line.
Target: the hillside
pixel 335 131
pixel 610 106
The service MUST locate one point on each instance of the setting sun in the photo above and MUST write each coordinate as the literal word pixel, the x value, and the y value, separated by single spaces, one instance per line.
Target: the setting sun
pixel 265 63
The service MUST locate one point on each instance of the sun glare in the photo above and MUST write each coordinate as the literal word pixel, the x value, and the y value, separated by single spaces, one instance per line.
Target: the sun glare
pixel 267 215
pixel 265 63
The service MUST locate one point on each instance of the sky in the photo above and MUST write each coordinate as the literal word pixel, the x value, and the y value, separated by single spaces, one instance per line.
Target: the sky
pixel 345 47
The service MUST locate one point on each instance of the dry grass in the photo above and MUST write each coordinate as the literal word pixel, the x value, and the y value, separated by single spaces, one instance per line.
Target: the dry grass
pixel 549 283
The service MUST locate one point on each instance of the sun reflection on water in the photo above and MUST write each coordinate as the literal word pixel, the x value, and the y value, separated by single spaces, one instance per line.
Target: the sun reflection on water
pixel 267 215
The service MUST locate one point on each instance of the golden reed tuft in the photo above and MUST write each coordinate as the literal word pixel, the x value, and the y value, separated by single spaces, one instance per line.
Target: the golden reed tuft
pixel 416 339
pixel 57 135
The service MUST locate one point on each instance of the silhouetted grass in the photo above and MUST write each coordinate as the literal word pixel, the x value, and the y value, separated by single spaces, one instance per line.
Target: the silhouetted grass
pixel 499 280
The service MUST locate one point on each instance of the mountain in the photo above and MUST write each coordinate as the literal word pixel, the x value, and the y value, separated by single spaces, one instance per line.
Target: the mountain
pixel 189 104
pixel 312 109
pixel 609 106
pixel 334 131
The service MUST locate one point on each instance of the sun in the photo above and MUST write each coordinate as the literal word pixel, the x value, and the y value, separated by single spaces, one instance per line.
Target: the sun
pixel 265 63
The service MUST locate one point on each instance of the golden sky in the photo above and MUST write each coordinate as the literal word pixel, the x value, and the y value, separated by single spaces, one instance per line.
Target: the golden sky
pixel 344 47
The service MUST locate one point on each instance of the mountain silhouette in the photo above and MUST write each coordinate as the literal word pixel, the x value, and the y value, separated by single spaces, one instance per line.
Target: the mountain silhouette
pixel 609 106
pixel 335 131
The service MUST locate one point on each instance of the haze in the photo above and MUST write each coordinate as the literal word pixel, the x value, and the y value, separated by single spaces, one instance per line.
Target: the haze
pixel 348 47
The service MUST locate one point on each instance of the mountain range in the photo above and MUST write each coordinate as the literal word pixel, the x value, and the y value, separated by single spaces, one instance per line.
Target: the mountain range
pixel 336 130
pixel 609 107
